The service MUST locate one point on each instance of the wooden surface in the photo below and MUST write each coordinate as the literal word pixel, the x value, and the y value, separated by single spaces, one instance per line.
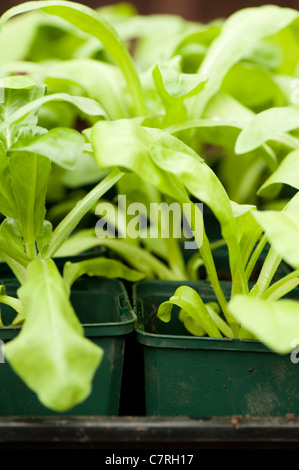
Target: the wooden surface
pixel 150 433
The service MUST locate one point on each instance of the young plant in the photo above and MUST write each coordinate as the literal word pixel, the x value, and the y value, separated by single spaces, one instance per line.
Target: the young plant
pixel 60 361
pixel 263 313
pixel 175 169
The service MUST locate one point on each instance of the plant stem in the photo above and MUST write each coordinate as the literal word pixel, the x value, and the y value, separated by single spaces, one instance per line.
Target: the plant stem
pixel 208 261
pixel 69 223
pixel 255 256
pixel 277 287
pixel 267 273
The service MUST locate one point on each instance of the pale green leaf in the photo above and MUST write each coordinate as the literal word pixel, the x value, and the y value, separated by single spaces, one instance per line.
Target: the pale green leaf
pixel 265 126
pixel 62 146
pixel 60 361
pixel 276 324
pixel 108 268
pixel 286 173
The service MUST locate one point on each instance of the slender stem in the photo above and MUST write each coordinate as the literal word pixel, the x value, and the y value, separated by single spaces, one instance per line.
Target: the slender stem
pixel 270 292
pixel 208 260
pixel 255 256
pixel 136 254
pixel 267 273
pixel 69 223
pixel 12 302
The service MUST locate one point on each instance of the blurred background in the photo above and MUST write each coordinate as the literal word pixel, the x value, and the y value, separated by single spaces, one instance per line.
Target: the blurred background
pixel 196 10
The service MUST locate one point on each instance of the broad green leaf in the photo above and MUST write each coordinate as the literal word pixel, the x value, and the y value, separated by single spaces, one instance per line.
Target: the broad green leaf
pixel 10 233
pixel 100 81
pixel 192 171
pixel 103 267
pixel 85 172
pixel 189 300
pixel 211 131
pixel 85 105
pixel 126 144
pixel 276 324
pixel 11 242
pixel 193 45
pixel 190 324
pixel 60 361
pixel 253 86
pixel 171 83
pixel 7 202
pixel 16 99
pixel 221 125
pixel 17 37
pixel 17 82
pixel 174 87
pixel 238 35
pixel 90 22
pixel 62 146
pixel 29 176
pixel 286 173
pixel 282 230
pixel 157 37
pixel 266 126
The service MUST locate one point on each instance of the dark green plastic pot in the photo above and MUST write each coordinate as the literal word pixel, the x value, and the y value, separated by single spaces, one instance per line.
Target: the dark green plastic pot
pixel 107 318
pixel 202 377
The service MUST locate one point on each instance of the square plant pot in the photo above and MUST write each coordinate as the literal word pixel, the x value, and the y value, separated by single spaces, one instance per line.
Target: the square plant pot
pixel 106 315
pixel 203 377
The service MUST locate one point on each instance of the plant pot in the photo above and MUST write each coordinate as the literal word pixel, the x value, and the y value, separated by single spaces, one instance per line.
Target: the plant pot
pixel 202 377
pixel 107 318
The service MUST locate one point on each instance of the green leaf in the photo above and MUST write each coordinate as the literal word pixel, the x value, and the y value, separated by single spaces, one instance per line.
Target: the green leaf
pixel 276 324
pixel 60 361
pixel 10 233
pixel 103 267
pixel 17 37
pixel 100 81
pixel 210 191
pixel 137 257
pixel 17 82
pixel 286 173
pixel 172 84
pixel 29 175
pixel 282 230
pixel 16 99
pixel 90 22
pixel 62 146
pixel 85 105
pixel 126 144
pixel 72 219
pixel 85 172
pixel 221 125
pixel 239 33
pixel 253 86
pixel 189 300
pixel 7 202
pixel 266 126
pixel 11 241
pixel 189 323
